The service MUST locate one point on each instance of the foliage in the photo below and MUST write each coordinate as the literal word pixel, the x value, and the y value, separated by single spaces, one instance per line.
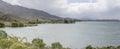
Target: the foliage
pixel 5 43
pixel 66 21
pixel 14 24
pixel 3 34
pixel 56 45
pixel 32 22
pixel 18 46
pixel 2 24
pixel 21 24
pixel 107 47
pixel 13 42
pixel 90 47
pixel 38 43
pixel 17 24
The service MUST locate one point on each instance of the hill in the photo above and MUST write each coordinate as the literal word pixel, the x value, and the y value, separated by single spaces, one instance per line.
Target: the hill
pixel 26 13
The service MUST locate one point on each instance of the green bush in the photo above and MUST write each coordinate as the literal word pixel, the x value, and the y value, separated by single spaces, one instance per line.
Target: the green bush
pixel 13 42
pixel 17 24
pixel 38 43
pixel 31 22
pixel 90 47
pixel 5 43
pixel 3 34
pixel 2 24
pixel 18 46
pixel 21 25
pixel 66 21
pixel 14 24
pixel 56 45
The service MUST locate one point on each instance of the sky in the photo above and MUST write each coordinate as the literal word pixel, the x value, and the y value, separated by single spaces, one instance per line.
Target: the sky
pixel 80 9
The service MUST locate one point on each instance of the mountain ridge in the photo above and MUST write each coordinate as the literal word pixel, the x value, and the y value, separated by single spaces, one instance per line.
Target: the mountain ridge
pixel 26 13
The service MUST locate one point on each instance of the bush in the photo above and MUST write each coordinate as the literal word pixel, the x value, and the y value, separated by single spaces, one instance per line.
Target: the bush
pixel 5 43
pixel 14 24
pixel 56 45
pixel 89 47
pixel 2 24
pixel 18 46
pixel 31 22
pixel 38 43
pixel 21 25
pixel 17 24
pixel 3 34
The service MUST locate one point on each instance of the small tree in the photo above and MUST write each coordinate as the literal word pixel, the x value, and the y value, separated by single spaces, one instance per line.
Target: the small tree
pixel 89 47
pixel 2 24
pixel 18 46
pixel 5 43
pixel 38 43
pixel 14 24
pixel 31 22
pixel 56 45
pixel 66 21
pixel 21 25
pixel 3 34
pixel 17 24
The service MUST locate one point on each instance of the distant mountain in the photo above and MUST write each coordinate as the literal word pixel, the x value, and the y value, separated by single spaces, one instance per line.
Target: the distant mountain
pixel 26 13
pixel 9 17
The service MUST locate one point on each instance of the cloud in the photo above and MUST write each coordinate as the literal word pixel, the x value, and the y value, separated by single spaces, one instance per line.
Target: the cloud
pixel 101 9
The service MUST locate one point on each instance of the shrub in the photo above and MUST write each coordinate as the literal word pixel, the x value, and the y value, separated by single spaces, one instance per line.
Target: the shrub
pixel 66 21
pixel 31 22
pixel 14 24
pixel 38 43
pixel 3 34
pixel 18 46
pixel 21 25
pixel 17 24
pixel 5 43
pixel 2 24
pixel 56 45
pixel 89 47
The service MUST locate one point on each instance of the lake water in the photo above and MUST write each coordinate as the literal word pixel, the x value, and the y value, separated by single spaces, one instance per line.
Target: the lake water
pixel 75 36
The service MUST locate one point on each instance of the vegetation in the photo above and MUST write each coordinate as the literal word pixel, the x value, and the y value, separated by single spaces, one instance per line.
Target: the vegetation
pixel 32 22
pixel 89 47
pixel 3 34
pixel 69 21
pixel 13 42
pixel 2 24
pixel 38 43
pixel 56 45
pixel 17 24
pixel 107 47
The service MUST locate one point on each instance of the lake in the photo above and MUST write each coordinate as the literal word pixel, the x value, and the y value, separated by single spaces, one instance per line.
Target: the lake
pixel 75 36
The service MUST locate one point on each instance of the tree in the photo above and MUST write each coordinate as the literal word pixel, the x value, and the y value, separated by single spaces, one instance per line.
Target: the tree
pixel 5 43
pixel 56 45
pixel 17 24
pixel 3 34
pixel 31 22
pixel 21 25
pixel 14 24
pixel 18 46
pixel 14 39
pixel 38 43
pixel 2 24
pixel 89 47
pixel 66 21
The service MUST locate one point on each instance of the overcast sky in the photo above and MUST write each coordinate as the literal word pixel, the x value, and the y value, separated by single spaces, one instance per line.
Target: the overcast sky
pixel 82 9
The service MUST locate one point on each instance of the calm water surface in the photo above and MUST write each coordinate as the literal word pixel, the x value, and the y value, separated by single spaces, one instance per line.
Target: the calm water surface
pixel 76 35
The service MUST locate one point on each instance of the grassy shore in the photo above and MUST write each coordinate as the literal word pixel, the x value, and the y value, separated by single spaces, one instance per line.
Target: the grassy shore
pixel 32 23
pixel 13 42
